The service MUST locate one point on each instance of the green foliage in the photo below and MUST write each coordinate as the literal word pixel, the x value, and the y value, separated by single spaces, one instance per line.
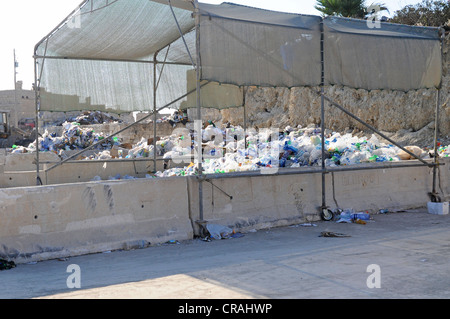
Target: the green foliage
pixel 433 13
pixel 345 8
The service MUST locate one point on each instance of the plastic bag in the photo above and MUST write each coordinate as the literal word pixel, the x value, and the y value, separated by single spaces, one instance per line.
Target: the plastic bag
pixel 219 231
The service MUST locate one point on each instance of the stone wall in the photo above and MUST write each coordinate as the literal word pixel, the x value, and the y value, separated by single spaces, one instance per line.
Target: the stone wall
pixel 20 103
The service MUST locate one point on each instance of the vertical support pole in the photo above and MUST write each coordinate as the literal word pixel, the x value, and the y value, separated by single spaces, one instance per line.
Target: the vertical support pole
pixel 154 111
pixel 37 110
pixel 16 119
pixel 245 118
pixel 199 113
pixel 436 133
pixel 322 119
pixel 322 114
pixel 434 193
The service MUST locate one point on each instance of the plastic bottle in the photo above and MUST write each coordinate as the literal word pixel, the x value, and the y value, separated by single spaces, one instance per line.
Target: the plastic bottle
pixel 361 216
pixel 345 216
pixel 289 147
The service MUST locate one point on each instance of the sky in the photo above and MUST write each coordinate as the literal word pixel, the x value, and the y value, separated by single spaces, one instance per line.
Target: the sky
pixel 23 23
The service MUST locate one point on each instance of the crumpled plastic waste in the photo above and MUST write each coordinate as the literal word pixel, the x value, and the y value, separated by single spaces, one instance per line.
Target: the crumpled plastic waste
pixel 141 149
pixel 219 231
pixel 74 137
pixel 95 117
pixel 294 147
pixel 6 265
pixel 349 216
pixel 231 149
pixel 176 117
pixel 19 149
pixel 444 151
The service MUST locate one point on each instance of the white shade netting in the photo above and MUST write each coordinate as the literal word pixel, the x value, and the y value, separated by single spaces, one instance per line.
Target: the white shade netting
pixel 101 57
pixel 392 56
pixel 110 86
pixel 244 46
pixel 120 29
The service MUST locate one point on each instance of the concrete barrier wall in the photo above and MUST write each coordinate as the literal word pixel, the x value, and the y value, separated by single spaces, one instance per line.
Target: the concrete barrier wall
pixel 19 170
pixel 65 220
pixel 444 180
pixel 259 202
pixel 54 221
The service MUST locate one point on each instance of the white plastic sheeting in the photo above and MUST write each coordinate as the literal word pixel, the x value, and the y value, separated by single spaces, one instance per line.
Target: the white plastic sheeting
pixel 100 58
pixel 393 57
pixel 246 46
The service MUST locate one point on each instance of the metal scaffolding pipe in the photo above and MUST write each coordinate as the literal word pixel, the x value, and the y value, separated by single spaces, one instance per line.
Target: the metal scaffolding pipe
pixel 305 170
pixel 118 160
pixel 199 109
pixel 245 117
pixel 181 33
pixel 434 194
pixel 122 130
pixel 155 113
pixel 111 60
pixel 372 128
pixel 37 98
pixel 322 113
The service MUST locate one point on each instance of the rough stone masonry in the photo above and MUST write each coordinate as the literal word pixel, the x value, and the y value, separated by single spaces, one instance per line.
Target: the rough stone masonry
pixel 403 114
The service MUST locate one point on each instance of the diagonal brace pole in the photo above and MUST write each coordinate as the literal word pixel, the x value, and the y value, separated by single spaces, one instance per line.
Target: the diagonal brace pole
pixel 124 129
pixel 371 127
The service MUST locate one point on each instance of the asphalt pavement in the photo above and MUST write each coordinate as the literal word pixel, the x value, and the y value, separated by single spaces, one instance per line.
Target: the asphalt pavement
pixel 402 255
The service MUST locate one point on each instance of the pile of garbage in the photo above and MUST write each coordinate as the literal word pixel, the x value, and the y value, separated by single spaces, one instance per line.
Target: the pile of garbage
pixel 176 117
pixel 73 137
pixel 443 151
pixel 227 151
pixel 97 117
pixel 231 149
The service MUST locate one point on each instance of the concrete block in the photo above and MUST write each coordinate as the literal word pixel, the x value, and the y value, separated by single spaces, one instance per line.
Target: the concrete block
pixel 27 161
pixel 438 208
pixel 69 219
pixel 268 201
pixel 48 222
pixel 257 202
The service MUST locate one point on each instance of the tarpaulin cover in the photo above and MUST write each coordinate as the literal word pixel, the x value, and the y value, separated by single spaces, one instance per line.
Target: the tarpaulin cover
pixel 101 56
pixel 246 46
pixel 394 56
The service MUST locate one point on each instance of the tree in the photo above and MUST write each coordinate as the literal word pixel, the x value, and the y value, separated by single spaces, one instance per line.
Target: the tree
pixel 432 13
pixel 346 8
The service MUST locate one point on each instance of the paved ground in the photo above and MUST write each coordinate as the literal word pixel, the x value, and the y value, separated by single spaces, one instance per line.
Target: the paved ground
pixel 411 249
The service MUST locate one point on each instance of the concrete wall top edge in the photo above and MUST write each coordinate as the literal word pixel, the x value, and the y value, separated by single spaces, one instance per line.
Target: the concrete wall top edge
pixel 280 171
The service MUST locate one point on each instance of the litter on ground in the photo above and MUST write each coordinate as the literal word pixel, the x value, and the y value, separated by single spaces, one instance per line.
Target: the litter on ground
pixel 332 234
pixel 6 265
